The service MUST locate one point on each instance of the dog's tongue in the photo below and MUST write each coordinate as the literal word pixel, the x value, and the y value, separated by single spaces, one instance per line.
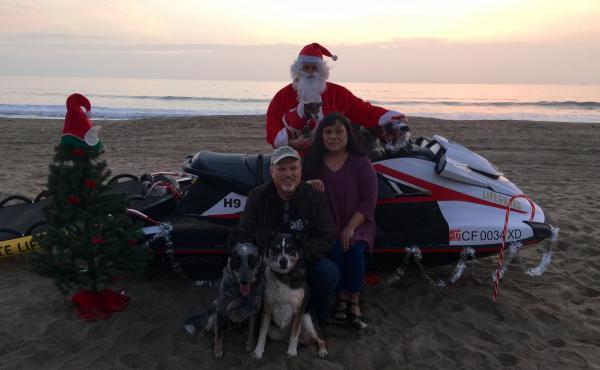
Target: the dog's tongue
pixel 245 289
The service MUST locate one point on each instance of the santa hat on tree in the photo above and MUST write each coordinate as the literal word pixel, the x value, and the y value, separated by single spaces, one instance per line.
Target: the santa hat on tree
pixel 78 130
pixel 313 53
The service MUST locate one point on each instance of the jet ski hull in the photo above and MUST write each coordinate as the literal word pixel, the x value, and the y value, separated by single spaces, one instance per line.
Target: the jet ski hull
pixel 437 196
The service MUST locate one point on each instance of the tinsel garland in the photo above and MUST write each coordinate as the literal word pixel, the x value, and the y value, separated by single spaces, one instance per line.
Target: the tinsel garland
pixel 540 268
pixel 468 254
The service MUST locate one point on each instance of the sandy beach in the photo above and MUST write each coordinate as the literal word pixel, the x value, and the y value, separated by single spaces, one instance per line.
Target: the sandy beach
pixel 549 322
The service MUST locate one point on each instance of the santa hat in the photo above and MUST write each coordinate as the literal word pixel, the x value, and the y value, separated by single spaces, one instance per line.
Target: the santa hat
pixel 77 125
pixel 313 53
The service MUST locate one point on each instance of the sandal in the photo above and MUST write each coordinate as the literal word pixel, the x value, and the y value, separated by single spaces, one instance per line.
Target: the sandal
pixel 356 319
pixel 340 311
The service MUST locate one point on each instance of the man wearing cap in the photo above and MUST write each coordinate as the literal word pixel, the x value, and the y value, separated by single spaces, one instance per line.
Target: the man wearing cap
pixel 296 109
pixel 287 204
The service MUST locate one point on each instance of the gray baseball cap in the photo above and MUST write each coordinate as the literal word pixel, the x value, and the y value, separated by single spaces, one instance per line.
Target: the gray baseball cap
pixel 284 152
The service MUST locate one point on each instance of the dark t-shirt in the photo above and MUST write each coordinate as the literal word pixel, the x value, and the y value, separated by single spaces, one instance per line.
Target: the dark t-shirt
pixel 290 221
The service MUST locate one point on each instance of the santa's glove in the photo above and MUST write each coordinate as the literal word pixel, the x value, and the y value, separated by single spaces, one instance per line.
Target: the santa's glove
pixel 392 116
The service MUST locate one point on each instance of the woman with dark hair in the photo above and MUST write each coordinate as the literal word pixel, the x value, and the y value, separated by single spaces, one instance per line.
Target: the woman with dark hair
pixel 337 164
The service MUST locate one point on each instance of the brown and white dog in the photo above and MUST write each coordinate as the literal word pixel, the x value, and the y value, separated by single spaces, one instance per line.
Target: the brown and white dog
pixel 239 298
pixel 286 297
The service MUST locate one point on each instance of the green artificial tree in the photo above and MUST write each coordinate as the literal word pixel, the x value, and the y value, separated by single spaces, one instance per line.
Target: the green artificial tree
pixel 90 239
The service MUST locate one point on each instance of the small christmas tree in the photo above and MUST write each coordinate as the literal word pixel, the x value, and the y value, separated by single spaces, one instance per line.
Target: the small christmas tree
pixel 90 239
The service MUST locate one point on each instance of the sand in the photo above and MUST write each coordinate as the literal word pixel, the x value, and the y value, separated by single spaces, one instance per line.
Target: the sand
pixel 552 321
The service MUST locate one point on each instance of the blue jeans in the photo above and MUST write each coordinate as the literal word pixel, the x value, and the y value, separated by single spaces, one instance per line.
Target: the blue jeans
pixel 351 265
pixel 323 278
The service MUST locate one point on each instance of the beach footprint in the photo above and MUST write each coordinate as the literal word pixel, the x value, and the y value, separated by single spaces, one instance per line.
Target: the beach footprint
pixel 132 360
pixel 556 342
pixel 564 360
pixel 507 360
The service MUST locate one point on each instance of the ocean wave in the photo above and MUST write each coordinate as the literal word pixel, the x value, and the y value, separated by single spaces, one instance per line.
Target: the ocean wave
pixel 183 98
pixel 557 104
pixel 59 111
pixel 548 104
pixel 564 111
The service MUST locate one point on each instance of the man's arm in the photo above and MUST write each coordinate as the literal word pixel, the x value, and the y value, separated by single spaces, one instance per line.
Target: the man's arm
pixel 281 107
pixel 362 112
pixel 274 124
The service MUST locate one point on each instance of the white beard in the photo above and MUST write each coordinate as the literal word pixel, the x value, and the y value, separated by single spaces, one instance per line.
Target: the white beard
pixel 309 88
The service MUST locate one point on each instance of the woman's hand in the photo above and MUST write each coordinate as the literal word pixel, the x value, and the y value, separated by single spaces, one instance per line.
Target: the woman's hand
pixel 347 238
pixel 317 185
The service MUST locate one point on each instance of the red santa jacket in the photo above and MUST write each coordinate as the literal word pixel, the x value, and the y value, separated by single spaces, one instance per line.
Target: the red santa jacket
pixel 335 98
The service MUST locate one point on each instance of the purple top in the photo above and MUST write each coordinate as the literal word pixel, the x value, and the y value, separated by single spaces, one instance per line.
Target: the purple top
pixel 352 188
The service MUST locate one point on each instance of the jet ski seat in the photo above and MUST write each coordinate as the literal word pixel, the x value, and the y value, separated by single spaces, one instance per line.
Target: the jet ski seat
pixel 417 151
pixel 413 151
pixel 245 170
pixel 22 218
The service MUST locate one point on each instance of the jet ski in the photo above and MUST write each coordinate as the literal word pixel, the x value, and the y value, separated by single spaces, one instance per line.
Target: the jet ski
pixel 437 201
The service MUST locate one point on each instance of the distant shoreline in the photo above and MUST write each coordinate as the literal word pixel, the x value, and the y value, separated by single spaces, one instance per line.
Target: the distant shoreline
pixel 37 97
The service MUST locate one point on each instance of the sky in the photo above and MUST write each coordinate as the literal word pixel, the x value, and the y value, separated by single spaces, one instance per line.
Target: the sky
pixel 437 41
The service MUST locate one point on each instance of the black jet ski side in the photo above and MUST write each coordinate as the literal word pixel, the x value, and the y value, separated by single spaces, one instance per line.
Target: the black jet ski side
pixel 436 198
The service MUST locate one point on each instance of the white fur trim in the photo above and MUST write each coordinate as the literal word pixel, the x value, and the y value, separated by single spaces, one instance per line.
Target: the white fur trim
pixel 390 116
pixel 300 109
pixel 281 139
pixel 309 59
pixel 91 136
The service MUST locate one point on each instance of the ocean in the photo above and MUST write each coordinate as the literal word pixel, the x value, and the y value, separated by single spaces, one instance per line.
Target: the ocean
pixel 119 98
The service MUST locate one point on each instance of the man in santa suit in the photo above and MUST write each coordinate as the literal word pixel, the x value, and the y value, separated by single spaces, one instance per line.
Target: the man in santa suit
pixel 295 110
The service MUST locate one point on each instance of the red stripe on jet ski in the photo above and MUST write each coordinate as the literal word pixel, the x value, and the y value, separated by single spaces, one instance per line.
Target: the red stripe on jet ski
pixel 198 250
pixel 436 250
pixel 452 249
pixel 382 250
pixel 439 193
pixel 227 215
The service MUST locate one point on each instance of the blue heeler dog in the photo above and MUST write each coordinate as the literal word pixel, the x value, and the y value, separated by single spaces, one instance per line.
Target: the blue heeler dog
pixel 239 298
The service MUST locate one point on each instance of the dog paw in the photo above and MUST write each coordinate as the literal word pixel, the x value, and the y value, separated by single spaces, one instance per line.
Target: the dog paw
pixel 191 329
pixel 218 354
pixel 249 347
pixel 322 353
pixel 292 353
pixel 257 354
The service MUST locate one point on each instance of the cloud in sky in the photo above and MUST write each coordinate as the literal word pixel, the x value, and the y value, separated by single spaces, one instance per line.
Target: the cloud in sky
pixel 414 60
pixel 493 41
pixel 333 21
